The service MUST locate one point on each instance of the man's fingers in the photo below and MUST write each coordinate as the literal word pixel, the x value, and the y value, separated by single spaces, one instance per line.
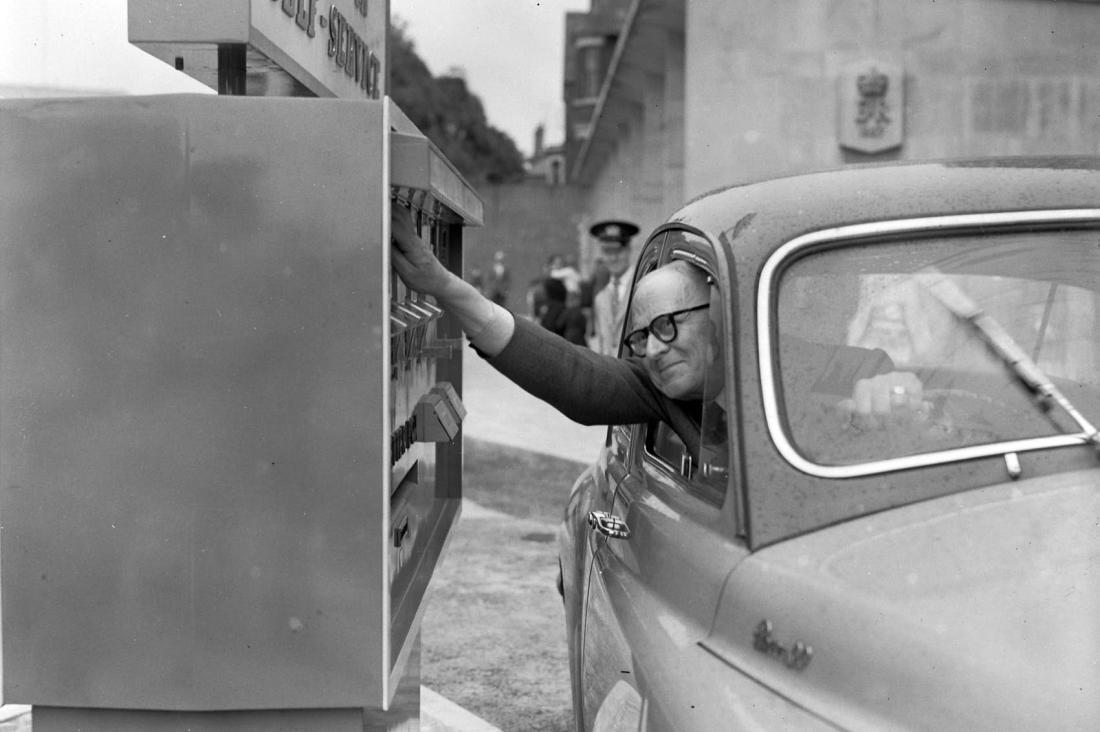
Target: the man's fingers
pixel 400 226
pixel 897 391
pixel 412 257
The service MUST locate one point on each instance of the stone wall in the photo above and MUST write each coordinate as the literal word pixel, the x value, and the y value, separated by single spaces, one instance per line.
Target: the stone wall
pixel 981 77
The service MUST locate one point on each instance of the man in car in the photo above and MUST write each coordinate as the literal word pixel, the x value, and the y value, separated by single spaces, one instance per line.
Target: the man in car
pixel 676 359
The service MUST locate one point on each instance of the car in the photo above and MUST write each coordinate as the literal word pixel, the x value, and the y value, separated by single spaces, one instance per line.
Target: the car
pixel 938 568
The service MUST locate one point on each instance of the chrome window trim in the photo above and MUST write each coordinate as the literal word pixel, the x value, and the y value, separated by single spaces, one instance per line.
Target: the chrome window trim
pixel 852 234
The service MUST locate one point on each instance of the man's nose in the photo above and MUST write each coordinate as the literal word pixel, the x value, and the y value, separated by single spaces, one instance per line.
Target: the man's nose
pixel 654 346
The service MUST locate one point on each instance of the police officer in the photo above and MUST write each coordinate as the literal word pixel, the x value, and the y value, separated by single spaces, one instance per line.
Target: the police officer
pixel 609 303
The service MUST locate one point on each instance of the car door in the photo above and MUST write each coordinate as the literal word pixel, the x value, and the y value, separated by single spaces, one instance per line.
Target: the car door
pixel 660 558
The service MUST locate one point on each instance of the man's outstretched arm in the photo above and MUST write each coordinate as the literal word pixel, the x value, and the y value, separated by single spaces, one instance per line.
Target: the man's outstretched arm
pixel 587 388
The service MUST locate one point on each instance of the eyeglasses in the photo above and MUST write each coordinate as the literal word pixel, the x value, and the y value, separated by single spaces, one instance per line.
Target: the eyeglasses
pixel 663 328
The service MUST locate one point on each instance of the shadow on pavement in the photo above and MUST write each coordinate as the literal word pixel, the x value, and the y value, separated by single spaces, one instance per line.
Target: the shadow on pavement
pixel 494 629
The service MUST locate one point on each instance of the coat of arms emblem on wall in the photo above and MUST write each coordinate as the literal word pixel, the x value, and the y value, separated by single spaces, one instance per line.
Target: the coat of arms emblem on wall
pixel 871 105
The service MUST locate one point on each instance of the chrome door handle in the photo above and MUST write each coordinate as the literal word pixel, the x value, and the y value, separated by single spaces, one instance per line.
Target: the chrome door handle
pixel 715 472
pixel 608 525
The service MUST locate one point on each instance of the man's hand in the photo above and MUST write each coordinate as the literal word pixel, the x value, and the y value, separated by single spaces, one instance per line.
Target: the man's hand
pixel 412 257
pixel 879 400
pixel 488 326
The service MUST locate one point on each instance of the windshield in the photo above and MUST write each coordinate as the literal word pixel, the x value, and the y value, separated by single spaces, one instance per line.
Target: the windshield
pixel 866 300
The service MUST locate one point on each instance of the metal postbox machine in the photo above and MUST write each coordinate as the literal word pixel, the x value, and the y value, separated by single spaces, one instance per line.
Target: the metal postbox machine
pixel 230 439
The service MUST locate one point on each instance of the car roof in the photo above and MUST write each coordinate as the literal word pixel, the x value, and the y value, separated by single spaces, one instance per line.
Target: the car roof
pixel 782 208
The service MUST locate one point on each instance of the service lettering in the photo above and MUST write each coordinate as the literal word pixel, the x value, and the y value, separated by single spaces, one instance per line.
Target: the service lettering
pixel 304 13
pixel 351 53
pixel 403 438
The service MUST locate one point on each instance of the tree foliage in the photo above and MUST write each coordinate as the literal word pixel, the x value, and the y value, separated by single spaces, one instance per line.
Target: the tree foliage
pixel 451 117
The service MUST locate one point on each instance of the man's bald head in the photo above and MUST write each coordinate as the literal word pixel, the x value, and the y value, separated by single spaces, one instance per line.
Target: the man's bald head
pixel 675 279
pixel 689 366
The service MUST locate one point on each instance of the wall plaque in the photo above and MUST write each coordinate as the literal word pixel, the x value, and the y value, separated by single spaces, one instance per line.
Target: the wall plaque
pixel 871 107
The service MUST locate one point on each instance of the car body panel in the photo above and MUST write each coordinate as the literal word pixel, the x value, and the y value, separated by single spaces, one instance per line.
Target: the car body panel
pixel 977 610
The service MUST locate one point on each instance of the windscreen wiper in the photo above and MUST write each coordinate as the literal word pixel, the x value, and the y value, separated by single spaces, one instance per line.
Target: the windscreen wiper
pixel 1001 343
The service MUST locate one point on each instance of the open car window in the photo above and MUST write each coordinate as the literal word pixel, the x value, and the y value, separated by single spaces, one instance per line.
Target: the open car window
pixel 698 457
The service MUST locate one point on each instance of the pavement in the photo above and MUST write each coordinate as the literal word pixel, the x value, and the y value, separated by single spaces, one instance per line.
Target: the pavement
pixel 440 714
pixel 497 411
pixel 15 718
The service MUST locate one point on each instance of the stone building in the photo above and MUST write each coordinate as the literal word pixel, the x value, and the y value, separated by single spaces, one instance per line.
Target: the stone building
pixel 667 99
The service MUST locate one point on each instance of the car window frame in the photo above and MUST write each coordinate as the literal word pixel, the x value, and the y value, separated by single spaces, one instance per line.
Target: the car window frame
pixel 767 298
pixel 703 502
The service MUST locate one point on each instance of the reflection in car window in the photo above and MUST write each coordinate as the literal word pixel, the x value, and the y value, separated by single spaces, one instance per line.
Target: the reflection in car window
pixel 881 300
pixel 663 442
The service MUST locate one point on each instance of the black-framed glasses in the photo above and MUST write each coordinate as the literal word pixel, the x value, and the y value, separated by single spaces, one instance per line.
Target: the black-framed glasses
pixel 663 328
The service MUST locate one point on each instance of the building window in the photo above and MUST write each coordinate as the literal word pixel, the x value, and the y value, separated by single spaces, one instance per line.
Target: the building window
pixel 592 58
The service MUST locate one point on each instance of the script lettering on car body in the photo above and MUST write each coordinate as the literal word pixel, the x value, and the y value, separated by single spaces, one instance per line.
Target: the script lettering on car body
pixel 796 657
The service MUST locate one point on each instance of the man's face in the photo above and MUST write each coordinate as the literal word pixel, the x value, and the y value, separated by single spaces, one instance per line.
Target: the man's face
pixel 616 258
pixel 690 367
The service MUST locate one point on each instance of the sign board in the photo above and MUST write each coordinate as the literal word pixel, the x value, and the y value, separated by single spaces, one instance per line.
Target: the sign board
pixel 334 49
pixel 871 107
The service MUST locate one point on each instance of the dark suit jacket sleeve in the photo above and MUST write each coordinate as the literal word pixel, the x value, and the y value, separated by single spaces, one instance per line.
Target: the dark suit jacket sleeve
pixel 583 385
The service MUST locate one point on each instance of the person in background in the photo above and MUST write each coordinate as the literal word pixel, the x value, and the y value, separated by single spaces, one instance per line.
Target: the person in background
pixel 553 304
pixel 536 298
pixel 564 268
pixel 536 289
pixel 477 279
pixel 575 328
pixel 562 314
pixel 498 281
pixel 609 303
